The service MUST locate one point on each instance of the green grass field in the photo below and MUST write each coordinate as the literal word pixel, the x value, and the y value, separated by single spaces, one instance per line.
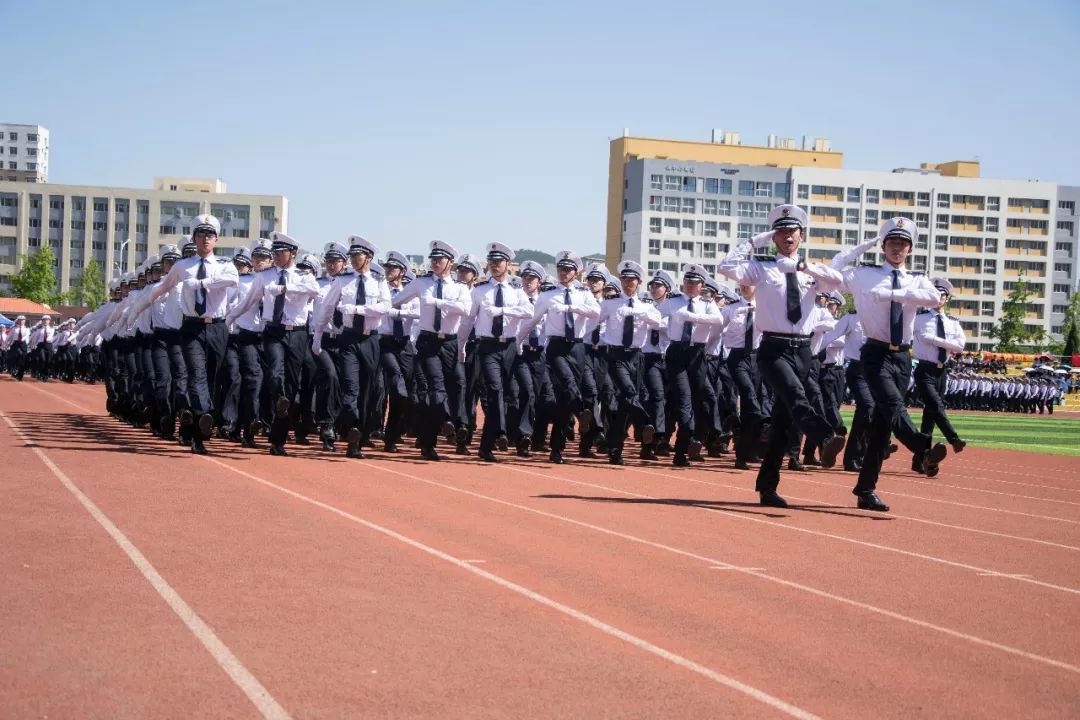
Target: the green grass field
pixel 1046 434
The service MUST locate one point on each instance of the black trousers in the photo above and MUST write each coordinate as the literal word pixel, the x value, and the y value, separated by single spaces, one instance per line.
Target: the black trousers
pixel 816 399
pixel 831 381
pixel 653 390
pixel 147 379
pixel 784 368
pixel 742 366
pixel 565 362
pixel 687 378
pixel 285 353
pixel 359 365
pixel 328 401
pixel 931 381
pixel 521 407
pixel 248 347
pixel 437 387
pixel 539 406
pixel 398 360
pixel 624 369
pixel 496 362
pixel 16 359
pixel 204 349
pixel 859 434
pixel 888 373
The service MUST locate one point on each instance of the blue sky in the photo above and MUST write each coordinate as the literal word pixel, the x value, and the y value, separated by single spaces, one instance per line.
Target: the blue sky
pixel 472 122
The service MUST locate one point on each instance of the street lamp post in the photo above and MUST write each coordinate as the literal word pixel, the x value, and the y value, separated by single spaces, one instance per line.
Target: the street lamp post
pixel 120 268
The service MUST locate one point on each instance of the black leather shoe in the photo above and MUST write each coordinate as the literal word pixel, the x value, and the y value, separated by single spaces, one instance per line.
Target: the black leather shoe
pixel 695 451
pixel 830 449
pixel 934 456
pixel 197 446
pixel 795 465
pixel 585 421
pixel 742 465
pixel 648 434
pixel 462 436
pixel 588 454
pixel 206 426
pixel 448 431
pixel 167 426
pixel 391 448
pixel 302 440
pixel 616 459
pixel 488 456
pixel 680 460
pixel 869 500
pixel 893 447
pixel 186 418
pixel 811 461
pixel 648 452
pixel 278 450
pixel 502 443
pixel 249 442
pixel 556 459
pixel 663 450
pixel 958 445
pixel 523 448
pixel 771 499
pixel 462 449
pixel 430 454
pixel 918 461
pixel 353 437
pixel 853 467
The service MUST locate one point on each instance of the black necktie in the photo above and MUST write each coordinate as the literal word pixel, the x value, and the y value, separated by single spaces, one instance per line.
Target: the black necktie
pixel 628 327
pixel 942 354
pixel 399 325
pixel 688 327
pixel 748 338
pixel 534 336
pixel 200 294
pixel 497 322
pixel 568 318
pixel 279 301
pixel 896 314
pixel 654 338
pixel 361 299
pixel 437 322
pixel 794 299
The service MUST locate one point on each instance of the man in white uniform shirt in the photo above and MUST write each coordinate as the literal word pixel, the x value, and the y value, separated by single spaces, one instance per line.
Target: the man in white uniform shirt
pixel 937 335
pixel 18 340
pixel 786 316
pixel 443 304
pixel 742 338
pixel 564 312
pixel 204 335
pixel 654 367
pixel 887 298
pixel 397 351
pixel 496 307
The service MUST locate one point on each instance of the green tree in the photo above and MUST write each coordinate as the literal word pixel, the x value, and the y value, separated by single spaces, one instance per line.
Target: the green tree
pixel 1071 329
pixel 89 288
pixel 1010 330
pixel 36 279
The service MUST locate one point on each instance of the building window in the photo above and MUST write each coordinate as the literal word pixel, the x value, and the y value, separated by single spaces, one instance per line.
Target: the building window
pixel 746 187
pixel 688 205
pixel 31 137
pixel 990 245
pixel 851 215
pixel 101 206
pixel 924 199
pixel 31 152
pixel 872 196
pixel 1061 288
pixel 268 213
pixel 851 237
pixel 654 225
pixel 854 194
pixel 991 224
pixel 120 227
pixel 943 201
pixel 35 222
pixel 688 248
pixel 671 226
pixel 761 210
pixel 781 191
pixel 656 182
pixel 745 231
pixel 724 207
pixel 31 166
pixel 939 264
pixel 872 217
pixel 988 287
pixel 746 209
pixel 9 202
pixel 655 202
pixel 993 204
pixel 672 182
pixel 1068 206
pixel 142 228
pixel 56 204
pixel 238 232
pixel 709 207
pixel 804 192
pixel 762 189
pixel 1062 267
pixel 990 267
pixel 687 227
pixel 56 224
pixel 671 245
pixel 264 234
pixel 941 242
pixel 942 222
pixel 167 230
pixel 671 204
pixel 708 250
pixel 1065 226
pixel 100 226
pixel 689 183
pixel 13 136
pixel 709 229
pixel 7 221
pixel 712 185
pixel 78 224
pixel 13 166
pixel 121 207
pixel 654 246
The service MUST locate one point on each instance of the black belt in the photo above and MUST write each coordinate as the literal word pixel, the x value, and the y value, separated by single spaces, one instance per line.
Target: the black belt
pixel 563 339
pixel 786 339
pixel 614 349
pixel 285 328
pixel 195 320
pixel 890 346
pixel 352 333
pixel 440 336
pixel 684 343
pixel 501 341
pixel 829 365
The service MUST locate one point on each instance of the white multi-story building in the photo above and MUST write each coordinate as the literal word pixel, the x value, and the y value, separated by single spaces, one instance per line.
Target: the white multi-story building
pixel 120 227
pixel 674 202
pixel 24 153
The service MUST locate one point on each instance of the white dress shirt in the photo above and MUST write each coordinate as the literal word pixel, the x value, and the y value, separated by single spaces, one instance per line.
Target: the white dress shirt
pixel 408 315
pixel 44 334
pixel 552 308
pixel 734 327
pixel 452 307
pixel 677 312
pixel 613 313
pixel 515 309
pixel 656 339
pixel 251 319
pixel 298 288
pixel 927 342
pixel 219 277
pixel 824 322
pixel 17 334
pixel 342 297
pixel 849 330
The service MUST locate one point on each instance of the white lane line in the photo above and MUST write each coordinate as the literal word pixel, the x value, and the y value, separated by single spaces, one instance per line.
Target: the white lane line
pixel 536 597
pixel 474 561
pixel 924 521
pixel 893 493
pixel 1004 575
pixel 742 569
pixel 259 696
pixel 713 562
pixel 820 533
pixel 906 478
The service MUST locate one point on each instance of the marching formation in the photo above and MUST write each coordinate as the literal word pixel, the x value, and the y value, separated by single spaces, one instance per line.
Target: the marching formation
pixel 278 346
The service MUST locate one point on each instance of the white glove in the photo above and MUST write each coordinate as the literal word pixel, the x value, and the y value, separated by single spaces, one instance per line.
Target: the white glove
pixel 495 311
pixel 193 284
pixel 683 315
pixel 230 319
pixel 316 346
pixel 624 311
pixel 348 309
pixel 867 244
pixel 559 307
pixel 393 313
pixel 762 240
pixel 426 300
pixel 275 289
pixel 882 294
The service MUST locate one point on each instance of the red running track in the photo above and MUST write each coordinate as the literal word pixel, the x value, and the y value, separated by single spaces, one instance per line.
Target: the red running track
pixel 142 581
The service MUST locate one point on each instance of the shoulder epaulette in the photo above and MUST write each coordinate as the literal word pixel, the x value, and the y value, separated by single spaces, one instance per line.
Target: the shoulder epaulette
pixel 869 264
pixel 951 317
pixel 922 311
pixel 675 295
pixel 764 258
pixel 515 282
pixel 916 273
